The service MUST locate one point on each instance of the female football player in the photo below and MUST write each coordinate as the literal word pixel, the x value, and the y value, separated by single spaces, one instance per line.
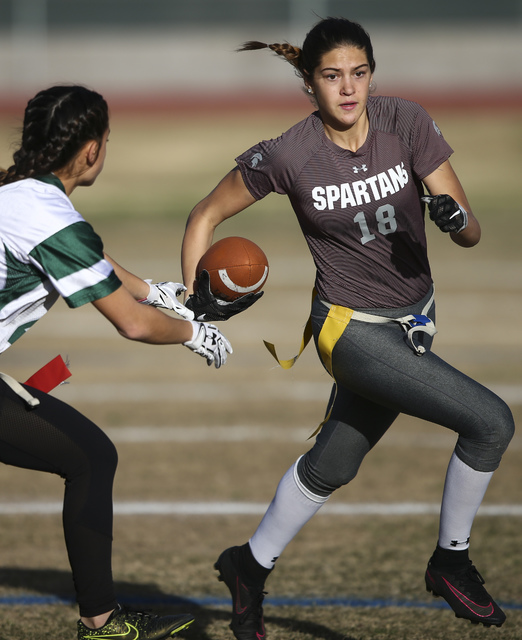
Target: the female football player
pixel 48 250
pixel 355 171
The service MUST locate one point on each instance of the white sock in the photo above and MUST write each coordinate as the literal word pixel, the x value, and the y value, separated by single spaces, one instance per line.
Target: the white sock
pixel 464 491
pixel 293 505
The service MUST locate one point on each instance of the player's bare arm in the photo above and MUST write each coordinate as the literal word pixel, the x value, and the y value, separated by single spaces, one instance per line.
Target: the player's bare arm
pixel 160 294
pixel 229 198
pixel 137 287
pixel 142 323
pixel 444 180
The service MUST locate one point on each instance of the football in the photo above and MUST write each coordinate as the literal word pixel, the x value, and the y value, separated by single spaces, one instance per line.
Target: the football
pixel 236 266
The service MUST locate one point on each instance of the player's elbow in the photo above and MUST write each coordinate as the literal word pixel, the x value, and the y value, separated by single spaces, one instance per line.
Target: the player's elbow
pixel 467 238
pixel 134 330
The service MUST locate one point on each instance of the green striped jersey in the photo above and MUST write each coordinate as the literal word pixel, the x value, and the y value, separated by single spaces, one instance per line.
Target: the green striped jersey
pixel 47 250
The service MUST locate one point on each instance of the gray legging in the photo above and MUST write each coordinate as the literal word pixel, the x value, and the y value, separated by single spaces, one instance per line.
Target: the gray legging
pixel 378 376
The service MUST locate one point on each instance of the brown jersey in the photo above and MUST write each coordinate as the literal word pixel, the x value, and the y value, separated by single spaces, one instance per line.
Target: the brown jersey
pixel 360 212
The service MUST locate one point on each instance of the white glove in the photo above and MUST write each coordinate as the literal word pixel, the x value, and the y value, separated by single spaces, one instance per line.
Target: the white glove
pixel 209 342
pixel 164 294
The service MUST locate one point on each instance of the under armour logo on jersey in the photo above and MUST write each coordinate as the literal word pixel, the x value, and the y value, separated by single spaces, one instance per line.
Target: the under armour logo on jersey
pixel 255 159
pixel 363 167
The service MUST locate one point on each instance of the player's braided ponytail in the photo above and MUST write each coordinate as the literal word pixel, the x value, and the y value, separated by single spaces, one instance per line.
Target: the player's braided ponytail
pixel 287 51
pixel 57 123
pixel 326 35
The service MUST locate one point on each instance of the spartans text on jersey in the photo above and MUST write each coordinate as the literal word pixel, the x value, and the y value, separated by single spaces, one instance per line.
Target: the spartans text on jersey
pixel 360 192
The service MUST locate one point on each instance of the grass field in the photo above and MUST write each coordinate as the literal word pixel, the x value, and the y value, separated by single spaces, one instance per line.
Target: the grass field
pixel 196 443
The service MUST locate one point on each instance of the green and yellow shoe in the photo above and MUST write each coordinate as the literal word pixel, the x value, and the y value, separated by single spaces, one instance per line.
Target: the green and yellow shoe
pixel 136 625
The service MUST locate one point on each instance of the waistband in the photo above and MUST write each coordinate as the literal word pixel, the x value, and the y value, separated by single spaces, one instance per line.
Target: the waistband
pixel 411 323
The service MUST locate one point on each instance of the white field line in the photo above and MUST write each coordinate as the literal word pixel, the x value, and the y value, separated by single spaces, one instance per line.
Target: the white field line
pixel 252 508
pixel 205 393
pixel 257 433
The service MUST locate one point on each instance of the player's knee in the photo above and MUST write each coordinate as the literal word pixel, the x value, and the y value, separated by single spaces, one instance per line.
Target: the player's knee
pixel 502 430
pixel 485 453
pixel 505 431
pixel 97 459
pixel 108 457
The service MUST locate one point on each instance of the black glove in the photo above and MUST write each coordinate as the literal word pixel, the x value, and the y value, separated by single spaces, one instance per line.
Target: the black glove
pixel 447 214
pixel 208 308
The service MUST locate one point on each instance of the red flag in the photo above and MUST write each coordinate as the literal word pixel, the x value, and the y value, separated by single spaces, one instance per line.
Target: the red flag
pixel 50 375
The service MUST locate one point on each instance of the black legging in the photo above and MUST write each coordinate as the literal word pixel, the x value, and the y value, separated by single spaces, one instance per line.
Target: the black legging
pixel 55 438
pixel 379 376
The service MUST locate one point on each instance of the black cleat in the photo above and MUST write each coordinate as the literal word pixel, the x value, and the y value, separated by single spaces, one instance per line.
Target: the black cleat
pixel 135 625
pixel 462 589
pixel 247 610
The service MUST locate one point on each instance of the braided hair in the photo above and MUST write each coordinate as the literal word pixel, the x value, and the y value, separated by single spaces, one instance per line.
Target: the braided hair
pixel 326 35
pixel 58 122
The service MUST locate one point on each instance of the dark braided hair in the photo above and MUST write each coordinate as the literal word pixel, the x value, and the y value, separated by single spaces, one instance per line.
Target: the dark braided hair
pixel 58 122
pixel 326 35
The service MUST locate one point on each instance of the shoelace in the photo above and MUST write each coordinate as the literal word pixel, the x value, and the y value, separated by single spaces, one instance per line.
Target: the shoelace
pixel 467 575
pixel 141 615
pixel 475 575
pixel 470 572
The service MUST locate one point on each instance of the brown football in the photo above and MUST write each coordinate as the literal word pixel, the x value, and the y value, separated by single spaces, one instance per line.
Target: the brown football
pixel 236 266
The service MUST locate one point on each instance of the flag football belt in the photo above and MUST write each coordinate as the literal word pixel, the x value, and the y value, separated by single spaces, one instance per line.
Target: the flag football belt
pixel 45 379
pixel 336 322
pixel 410 324
pixel 19 390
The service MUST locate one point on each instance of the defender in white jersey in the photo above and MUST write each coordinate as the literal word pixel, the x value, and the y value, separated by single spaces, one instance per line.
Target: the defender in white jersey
pixel 355 172
pixel 48 250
